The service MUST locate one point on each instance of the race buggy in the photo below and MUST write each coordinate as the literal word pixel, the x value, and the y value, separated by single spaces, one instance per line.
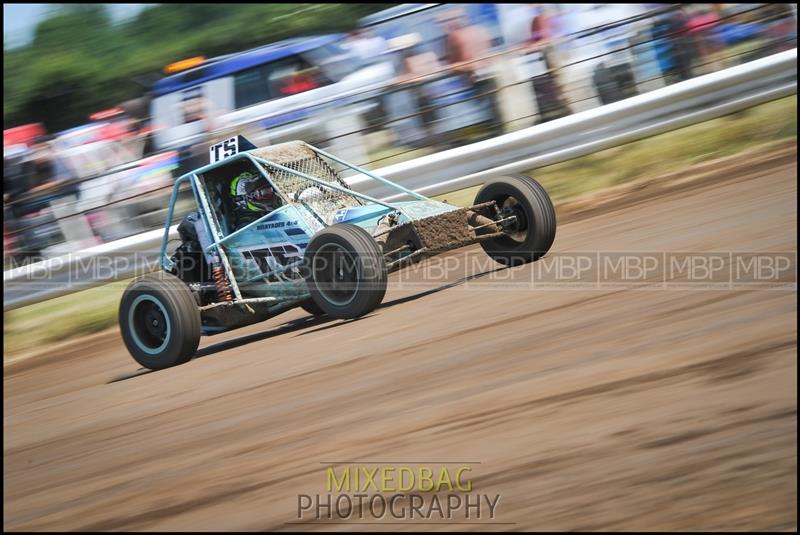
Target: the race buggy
pixel 325 247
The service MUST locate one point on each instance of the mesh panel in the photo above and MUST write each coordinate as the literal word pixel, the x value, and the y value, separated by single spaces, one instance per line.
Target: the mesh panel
pixel 299 157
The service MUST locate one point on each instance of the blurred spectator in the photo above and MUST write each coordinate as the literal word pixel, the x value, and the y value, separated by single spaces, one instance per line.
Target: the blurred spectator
pixel 465 44
pixel 16 176
pixel 15 184
pixel 702 27
pixel 31 181
pixel 365 45
pixel 466 47
pixel 43 166
pixel 644 51
pixel 674 45
pixel 39 176
pixel 780 28
pixel 408 95
pixel 702 19
pixel 540 27
pixel 546 87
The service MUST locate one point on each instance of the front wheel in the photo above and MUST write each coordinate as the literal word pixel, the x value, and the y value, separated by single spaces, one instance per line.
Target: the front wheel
pixel 345 271
pixel 529 224
pixel 312 308
pixel 159 321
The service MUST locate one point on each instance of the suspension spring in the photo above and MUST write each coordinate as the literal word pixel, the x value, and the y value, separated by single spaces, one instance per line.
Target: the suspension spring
pixel 221 282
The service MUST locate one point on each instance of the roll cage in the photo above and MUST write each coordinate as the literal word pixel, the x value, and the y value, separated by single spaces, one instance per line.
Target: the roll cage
pixel 292 169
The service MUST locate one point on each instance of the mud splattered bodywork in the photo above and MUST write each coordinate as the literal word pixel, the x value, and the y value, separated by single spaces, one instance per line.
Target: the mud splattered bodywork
pixel 317 243
pixel 247 272
pixel 262 261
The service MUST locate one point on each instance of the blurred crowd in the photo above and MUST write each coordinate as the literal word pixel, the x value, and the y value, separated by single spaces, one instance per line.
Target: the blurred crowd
pixel 459 74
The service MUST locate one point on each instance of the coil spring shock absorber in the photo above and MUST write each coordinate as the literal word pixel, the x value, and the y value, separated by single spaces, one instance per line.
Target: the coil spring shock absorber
pixel 221 282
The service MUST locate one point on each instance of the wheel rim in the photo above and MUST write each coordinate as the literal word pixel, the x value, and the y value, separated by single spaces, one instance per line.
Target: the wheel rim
pixel 517 229
pixel 149 324
pixel 336 274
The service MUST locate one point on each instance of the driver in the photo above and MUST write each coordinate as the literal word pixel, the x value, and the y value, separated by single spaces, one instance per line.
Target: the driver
pixel 253 197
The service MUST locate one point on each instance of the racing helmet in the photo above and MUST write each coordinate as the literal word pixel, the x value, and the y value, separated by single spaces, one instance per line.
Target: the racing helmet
pixel 252 191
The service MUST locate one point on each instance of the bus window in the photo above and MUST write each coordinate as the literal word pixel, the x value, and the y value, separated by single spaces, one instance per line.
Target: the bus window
pixel 292 78
pixel 250 87
pixel 288 76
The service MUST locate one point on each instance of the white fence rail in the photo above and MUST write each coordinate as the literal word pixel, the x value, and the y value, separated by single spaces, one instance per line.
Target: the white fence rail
pixel 658 111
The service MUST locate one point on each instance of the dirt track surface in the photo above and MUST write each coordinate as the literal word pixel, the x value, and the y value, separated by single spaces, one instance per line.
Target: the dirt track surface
pixel 596 408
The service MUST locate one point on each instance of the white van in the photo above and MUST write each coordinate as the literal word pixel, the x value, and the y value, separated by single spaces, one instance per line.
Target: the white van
pixel 266 87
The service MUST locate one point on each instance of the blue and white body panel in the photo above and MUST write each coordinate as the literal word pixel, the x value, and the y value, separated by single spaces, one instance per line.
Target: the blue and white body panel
pixel 263 260
pixel 260 256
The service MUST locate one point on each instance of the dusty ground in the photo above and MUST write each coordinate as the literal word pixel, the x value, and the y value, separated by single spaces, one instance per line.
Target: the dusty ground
pixel 603 407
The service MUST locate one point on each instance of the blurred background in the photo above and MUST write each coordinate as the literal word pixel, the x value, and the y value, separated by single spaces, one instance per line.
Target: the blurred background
pixel 105 105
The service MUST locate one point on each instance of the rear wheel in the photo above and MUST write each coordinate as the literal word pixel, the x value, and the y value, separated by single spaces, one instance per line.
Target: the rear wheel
pixel 532 229
pixel 159 321
pixel 345 271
